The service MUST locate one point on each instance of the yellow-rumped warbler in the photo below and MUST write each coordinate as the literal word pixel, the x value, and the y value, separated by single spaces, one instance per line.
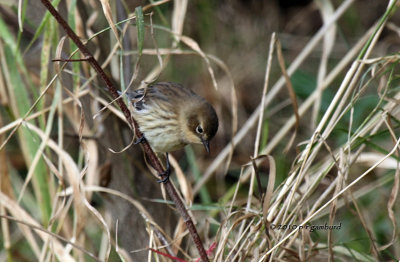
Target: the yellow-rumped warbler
pixel 171 116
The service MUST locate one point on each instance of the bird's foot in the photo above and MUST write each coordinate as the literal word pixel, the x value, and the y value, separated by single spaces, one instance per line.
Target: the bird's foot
pixel 139 140
pixel 165 175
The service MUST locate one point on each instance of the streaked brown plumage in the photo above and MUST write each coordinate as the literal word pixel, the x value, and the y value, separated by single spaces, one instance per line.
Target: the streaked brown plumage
pixel 171 116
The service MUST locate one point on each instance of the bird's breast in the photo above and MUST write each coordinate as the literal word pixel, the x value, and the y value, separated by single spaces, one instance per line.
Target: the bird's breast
pixel 161 130
pixel 163 140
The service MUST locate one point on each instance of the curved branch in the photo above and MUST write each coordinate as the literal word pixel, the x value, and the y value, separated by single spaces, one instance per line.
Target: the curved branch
pixel 146 146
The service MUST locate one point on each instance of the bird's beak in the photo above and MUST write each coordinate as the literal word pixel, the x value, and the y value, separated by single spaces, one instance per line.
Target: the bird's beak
pixel 206 145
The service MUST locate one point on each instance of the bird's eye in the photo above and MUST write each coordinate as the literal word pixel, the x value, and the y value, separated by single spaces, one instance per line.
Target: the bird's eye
pixel 199 130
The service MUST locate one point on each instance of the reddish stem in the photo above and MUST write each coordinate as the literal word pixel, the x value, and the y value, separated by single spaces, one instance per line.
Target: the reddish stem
pixel 146 147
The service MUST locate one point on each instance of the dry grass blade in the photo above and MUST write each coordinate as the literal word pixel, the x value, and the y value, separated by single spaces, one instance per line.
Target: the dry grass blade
pixel 108 14
pixel 312 98
pixel 3 93
pixel 26 219
pixel 367 227
pixel 195 46
pixel 264 92
pixel 392 199
pixel 184 184
pixel 274 90
pixel 5 187
pixel 326 125
pixel 291 93
pixel 335 197
pixel 327 11
pixel 395 190
pixel 339 182
pixel 178 19
pixel 270 188
pixel 43 144
pixel 342 84
pixel 260 120
pixel 74 177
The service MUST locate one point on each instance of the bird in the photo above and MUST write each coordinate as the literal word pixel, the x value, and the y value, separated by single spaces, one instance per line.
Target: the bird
pixel 171 116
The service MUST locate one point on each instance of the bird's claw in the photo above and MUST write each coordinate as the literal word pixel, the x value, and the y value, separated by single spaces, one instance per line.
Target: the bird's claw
pixel 139 140
pixel 165 175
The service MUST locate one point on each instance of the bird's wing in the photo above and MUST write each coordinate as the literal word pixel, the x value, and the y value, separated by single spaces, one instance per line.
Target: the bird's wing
pixel 157 95
pixel 136 98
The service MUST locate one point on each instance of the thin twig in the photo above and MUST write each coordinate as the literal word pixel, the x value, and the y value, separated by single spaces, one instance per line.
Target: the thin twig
pixel 145 145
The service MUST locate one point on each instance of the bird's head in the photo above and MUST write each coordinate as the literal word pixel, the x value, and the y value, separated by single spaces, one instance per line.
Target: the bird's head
pixel 201 123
